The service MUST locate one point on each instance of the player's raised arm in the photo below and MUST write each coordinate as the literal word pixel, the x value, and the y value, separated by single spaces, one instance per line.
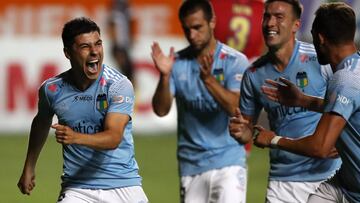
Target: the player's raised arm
pixel 162 98
pixel 228 99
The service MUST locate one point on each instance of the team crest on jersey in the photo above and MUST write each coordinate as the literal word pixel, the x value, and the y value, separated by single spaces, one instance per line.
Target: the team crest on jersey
pixel 302 79
pixel 219 74
pixel 101 102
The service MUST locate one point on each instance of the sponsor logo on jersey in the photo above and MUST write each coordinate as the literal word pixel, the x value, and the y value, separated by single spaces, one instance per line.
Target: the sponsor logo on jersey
pixel 121 99
pixel 83 98
pixel 219 74
pixel 129 100
pixel 198 104
pixel 343 100
pixel 302 79
pixel 88 127
pixel 283 111
pixel 238 77
pixel 118 99
pixel 304 58
pixel 101 102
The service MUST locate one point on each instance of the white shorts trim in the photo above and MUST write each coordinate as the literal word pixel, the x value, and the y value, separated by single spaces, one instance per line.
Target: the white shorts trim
pixel 133 194
pixel 289 192
pixel 225 185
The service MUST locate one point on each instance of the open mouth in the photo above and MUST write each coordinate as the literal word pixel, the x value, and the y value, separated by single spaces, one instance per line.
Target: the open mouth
pixel 93 66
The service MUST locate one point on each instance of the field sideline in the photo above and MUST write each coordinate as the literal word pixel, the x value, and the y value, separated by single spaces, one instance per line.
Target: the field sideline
pixel 156 156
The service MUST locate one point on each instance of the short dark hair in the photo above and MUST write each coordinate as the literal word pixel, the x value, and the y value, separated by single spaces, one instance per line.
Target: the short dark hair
pixel 76 27
pixel 191 6
pixel 295 4
pixel 336 21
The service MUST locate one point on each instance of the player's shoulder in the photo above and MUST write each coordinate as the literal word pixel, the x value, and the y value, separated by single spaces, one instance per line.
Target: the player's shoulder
pixel 58 80
pixel 227 51
pixel 113 75
pixel 112 78
pixel 350 65
pixel 306 48
pixel 184 54
pixel 54 85
pixel 259 63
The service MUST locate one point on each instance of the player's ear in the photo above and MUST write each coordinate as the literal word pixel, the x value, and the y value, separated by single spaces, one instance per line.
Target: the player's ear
pixel 322 38
pixel 213 22
pixel 66 52
pixel 296 25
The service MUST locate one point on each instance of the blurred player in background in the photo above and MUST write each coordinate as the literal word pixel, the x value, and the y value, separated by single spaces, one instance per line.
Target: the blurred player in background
pixel 94 105
pixel 292 177
pixel 333 34
pixel 205 79
pixel 120 35
pixel 237 25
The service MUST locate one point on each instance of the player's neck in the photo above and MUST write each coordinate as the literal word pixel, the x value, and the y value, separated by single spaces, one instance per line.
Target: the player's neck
pixel 340 52
pixel 280 58
pixel 80 81
pixel 208 49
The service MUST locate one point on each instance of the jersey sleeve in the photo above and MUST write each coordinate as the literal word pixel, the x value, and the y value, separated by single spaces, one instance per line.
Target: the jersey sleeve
pixel 121 94
pixel 342 96
pixel 172 84
pixel 235 70
pixel 44 106
pixel 248 104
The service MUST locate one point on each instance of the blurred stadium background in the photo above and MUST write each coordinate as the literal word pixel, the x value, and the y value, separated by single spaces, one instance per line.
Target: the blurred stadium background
pixel 32 51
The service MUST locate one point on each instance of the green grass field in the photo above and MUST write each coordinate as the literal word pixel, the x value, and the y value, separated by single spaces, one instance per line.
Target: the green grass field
pixel 156 156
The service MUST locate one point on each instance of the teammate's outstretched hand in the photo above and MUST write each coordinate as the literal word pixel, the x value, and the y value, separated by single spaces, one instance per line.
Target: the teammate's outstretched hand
pixel 162 63
pixel 283 92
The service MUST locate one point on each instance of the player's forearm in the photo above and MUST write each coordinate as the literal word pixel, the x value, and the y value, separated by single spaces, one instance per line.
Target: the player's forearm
pixel 105 140
pixel 306 146
pixel 38 135
pixel 227 99
pixel 162 98
pixel 313 103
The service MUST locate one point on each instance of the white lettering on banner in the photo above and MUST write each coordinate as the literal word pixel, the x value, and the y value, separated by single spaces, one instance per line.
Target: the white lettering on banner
pixel 153 20
pixel 44 20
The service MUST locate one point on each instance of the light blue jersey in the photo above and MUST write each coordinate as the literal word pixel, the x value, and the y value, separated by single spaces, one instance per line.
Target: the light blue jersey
pixel 303 70
pixel 204 141
pixel 84 112
pixel 343 97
